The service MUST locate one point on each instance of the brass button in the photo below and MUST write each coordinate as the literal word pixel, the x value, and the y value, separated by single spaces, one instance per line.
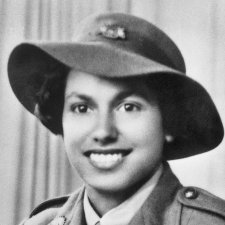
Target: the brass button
pixel 190 193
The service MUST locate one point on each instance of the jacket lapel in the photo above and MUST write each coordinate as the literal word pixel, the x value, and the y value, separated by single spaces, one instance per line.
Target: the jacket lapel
pixel 73 209
pixel 160 207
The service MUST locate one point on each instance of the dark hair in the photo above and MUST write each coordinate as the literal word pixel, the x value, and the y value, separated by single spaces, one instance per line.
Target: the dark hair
pixel 184 108
pixel 50 98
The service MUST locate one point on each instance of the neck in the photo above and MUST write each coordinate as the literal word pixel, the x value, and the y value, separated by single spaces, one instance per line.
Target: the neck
pixel 103 201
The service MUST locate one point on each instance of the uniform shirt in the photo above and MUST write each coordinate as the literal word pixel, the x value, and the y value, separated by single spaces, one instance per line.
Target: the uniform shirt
pixel 123 213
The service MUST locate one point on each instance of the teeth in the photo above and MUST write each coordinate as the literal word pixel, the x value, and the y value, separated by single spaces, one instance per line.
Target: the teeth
pixel 105 160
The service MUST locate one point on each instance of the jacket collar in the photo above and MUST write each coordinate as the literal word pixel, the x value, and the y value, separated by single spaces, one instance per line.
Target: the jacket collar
pixel 159 205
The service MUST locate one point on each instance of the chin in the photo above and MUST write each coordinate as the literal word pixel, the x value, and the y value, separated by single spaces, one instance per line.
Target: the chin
pixel 112 185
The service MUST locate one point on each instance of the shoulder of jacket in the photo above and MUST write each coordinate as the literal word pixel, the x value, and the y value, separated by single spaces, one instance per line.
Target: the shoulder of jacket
pixel 200 199
pixel 52 203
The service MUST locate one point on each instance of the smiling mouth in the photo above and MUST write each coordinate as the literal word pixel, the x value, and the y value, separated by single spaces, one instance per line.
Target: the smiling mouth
pixel 107 159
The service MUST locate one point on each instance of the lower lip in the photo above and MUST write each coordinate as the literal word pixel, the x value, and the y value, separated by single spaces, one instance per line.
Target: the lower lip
pixel 106 161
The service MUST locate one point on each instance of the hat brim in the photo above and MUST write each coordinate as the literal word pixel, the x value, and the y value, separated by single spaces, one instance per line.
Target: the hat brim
pixel 96 58
pixel 27 61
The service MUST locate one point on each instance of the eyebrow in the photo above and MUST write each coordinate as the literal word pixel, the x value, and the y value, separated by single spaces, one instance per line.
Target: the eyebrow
pixel 118 96
pixel 75 94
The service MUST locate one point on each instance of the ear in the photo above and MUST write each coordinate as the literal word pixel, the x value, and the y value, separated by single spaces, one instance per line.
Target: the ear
pixel 169 138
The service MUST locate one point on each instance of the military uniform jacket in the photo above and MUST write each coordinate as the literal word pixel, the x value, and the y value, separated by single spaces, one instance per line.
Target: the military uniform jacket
pixel 169 204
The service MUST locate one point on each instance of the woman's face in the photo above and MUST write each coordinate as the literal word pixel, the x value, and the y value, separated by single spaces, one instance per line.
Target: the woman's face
pixel 113 131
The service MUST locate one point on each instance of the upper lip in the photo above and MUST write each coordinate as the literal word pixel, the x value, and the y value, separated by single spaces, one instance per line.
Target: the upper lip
pixel 124 151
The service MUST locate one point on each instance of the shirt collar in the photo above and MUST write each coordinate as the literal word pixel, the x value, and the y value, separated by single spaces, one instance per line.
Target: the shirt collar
pixel 123 213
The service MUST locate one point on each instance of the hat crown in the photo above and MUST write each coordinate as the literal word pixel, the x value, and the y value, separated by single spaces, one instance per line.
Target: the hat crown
pixel 132 34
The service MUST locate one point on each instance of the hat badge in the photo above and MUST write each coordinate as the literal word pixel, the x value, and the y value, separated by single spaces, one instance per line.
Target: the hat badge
pixel 113 32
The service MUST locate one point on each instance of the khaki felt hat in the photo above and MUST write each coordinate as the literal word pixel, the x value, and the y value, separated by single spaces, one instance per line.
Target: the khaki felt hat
pixel 118 45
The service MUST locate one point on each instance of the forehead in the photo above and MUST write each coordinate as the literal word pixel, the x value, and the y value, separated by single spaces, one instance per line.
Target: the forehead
pixel 84 83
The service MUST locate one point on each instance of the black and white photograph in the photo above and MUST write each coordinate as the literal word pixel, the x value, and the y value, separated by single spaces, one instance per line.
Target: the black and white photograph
pixel 112 112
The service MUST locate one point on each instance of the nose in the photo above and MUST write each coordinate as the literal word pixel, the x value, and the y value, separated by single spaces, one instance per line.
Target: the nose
pixel 105 131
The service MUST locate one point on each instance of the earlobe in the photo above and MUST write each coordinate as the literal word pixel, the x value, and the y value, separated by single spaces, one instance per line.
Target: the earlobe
pixel 169 138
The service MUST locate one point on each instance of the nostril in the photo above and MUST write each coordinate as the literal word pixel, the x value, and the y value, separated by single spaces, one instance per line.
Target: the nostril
pixel 105 140
pixel 105 135
pixel 105 130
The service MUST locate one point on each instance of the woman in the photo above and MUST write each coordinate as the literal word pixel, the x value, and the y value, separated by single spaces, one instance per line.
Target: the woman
pixel 119 97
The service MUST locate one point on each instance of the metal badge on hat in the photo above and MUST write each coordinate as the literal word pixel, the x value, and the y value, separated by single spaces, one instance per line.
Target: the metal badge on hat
pixel 113 32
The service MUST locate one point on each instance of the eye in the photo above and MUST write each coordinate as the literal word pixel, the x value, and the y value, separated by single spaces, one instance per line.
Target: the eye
pixel 80 108
pixel 129 107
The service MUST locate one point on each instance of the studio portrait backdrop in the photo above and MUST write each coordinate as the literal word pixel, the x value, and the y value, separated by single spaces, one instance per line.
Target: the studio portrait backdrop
pixel 33 163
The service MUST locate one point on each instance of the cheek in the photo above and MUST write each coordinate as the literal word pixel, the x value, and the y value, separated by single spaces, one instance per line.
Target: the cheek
pixel 74 138
pixel 75 133
pixel 144 130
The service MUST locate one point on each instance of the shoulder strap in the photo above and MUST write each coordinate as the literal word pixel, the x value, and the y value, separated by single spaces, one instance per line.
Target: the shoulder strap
pixel 202 200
